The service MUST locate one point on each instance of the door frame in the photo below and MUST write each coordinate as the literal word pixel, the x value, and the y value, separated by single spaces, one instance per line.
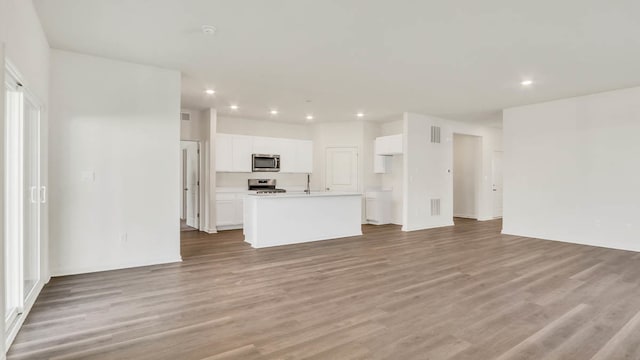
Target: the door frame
pixel 477 184
pixel 198 197
pixel 10 71
pixel 493 182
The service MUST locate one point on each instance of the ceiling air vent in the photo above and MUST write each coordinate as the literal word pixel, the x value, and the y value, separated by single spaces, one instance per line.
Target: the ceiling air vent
pixel 185 116
pixel 435 134
pixel 435 207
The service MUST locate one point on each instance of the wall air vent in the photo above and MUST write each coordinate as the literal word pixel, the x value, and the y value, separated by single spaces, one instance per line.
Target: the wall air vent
pixel 435 207
pixel 435 134
pixel 185 116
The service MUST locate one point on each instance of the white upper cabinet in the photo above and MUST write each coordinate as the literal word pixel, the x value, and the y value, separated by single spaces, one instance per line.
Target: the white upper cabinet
pixel 388 145
pixel 287 152
pixel 233 153
pixel 242 151
pixel 224 152
pixel 304 156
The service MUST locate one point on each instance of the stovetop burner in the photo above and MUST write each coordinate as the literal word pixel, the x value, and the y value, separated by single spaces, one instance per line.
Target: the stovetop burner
pixel 264 186
pixel 271 191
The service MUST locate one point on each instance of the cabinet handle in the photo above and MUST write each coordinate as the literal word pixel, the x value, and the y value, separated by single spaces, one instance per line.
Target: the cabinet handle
pixel 33 197
pixel 44 194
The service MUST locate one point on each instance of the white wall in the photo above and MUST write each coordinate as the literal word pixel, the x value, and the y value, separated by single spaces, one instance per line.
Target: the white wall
pixel 115 142
pixel 427 170
pixel 571 170
pixel 2 202
pixel 467 162
pixel 210 116
pixel 253 127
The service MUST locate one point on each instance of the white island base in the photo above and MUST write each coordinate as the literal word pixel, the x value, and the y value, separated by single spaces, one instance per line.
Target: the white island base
pixel 282 219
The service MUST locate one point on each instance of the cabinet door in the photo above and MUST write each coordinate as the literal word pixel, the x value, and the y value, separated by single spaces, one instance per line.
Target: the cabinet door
pixel 371 210
pixel 263 145
pixel 388 145
pixel 239 206
pixel 224 152
pixel 288 156
pixel 225 212
pixel 242 150
pixel 304 156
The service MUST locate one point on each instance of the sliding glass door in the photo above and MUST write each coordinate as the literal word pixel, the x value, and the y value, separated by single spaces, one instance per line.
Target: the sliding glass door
pixel 32 196
pixel 23 195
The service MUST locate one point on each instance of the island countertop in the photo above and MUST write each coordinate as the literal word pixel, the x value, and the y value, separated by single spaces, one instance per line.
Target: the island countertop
pixel 303 195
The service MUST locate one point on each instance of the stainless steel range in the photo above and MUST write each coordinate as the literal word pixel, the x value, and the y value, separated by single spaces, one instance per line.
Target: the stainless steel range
pixel 264 186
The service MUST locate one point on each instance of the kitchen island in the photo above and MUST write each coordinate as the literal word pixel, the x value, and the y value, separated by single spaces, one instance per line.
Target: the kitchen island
pixel 292 218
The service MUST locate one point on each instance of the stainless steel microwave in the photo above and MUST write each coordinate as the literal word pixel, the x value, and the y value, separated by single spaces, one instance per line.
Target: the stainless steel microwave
pixel 264 162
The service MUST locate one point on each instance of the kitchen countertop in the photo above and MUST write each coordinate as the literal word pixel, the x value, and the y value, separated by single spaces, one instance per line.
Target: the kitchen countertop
pixel 290 195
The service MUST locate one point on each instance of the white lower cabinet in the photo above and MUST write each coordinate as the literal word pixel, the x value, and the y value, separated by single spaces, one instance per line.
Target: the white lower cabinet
pixel 378 207
pixel 229 210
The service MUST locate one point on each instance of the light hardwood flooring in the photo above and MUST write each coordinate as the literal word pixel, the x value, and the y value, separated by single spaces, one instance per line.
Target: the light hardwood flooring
pixel 463 292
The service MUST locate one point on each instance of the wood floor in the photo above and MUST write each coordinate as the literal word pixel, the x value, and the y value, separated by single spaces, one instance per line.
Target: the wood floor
pixel 463 292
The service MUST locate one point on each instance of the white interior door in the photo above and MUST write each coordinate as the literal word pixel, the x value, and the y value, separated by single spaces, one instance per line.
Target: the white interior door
pixel 191 181
pixel 497 183
pixel 341 173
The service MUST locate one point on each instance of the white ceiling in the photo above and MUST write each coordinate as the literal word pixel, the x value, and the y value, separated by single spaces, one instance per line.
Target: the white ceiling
pixel 456 59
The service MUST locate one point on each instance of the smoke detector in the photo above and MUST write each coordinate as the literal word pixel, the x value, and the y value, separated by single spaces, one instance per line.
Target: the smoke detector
pixel 208 30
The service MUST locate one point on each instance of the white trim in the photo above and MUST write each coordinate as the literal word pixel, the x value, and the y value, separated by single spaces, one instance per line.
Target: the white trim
pixel 123 265
pixel 229 227
pixel 17 324
pixel 569 241
pixel 211 231
pixel 404 228
pixel 473 217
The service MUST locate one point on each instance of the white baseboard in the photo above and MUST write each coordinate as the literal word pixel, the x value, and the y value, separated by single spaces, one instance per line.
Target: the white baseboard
pixel 108 267
pixel 473 217
pixel 211 231
pixel 229 227
pixel 13 330
pixel 569 241
pixel 426 227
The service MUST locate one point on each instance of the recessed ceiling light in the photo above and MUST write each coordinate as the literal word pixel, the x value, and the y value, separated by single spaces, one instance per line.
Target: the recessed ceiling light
pixel 360 114
pixel 210 91
pixel 233 107
pixel 208 30
pixel 273 112
pixel 526 82
pixel 309 117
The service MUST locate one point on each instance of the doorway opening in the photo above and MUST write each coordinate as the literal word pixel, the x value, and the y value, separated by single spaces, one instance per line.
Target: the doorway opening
pixel 467 173
pixel 189 185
